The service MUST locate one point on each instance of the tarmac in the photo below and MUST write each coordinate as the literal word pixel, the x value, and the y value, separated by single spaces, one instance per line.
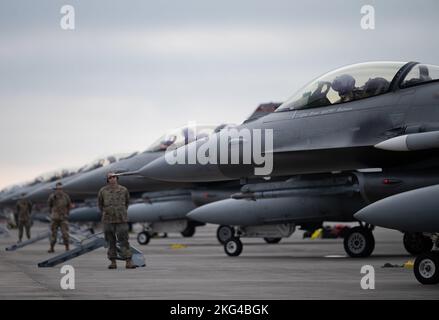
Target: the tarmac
pixel 197 268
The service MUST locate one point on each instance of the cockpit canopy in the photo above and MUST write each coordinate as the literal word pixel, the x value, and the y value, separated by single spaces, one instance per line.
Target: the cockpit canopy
pixel 356 82
pixel 348 83
pixel 105 161
pixel 180 137
pixel 11 188
pixel 419 74
pixel 55 175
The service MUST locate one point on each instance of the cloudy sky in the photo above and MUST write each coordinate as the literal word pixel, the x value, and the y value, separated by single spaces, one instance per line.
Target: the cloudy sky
pixel 133 69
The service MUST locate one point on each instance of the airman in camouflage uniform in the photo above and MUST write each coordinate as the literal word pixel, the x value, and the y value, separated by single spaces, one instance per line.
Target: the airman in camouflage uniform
pixel 59 204
pixel 24 209
pixel 113 201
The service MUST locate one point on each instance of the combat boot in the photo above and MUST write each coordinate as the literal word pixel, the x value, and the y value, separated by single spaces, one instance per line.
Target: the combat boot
pixel 113 264
pixel 51 250
pixel 129 264
pixel 67 247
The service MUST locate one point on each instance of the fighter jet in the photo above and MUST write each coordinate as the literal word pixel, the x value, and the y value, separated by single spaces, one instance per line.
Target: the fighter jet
pixel 15 192
pixel 347 119
pixel 350 119
pixel 38 190
pixel 162 204
pixel 89 184
pixel 10 194
pixel 41 192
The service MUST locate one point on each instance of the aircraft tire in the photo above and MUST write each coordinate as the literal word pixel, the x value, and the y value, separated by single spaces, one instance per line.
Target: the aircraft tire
pixel 233 247
pixel 426 268
pixel 359 242
pixel 224 233
pixel 272 240
pixel 143 238
pixel 189 231
pixel 417 243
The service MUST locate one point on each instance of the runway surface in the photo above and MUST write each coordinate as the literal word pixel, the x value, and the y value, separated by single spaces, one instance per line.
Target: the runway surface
pixel 197 268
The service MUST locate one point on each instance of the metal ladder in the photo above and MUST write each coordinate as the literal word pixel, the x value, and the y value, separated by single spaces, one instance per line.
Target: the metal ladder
pixel 87 245
pixel 39 237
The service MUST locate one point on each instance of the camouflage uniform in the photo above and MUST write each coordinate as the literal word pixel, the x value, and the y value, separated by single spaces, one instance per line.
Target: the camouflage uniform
pixel 59 205
pixel 113 202
pixel 24 208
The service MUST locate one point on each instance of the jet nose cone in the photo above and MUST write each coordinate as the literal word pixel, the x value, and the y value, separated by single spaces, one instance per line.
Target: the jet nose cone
pixel 180 166
pixel 369 215
pixel 386 213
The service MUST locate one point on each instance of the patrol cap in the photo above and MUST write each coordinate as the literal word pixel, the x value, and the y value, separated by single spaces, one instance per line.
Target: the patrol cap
pixel 112 174
pixel 58 184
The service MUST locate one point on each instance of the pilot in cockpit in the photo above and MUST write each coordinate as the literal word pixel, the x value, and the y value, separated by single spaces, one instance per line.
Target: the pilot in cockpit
pixel 165 144
pixel 424 74
pixel 344 85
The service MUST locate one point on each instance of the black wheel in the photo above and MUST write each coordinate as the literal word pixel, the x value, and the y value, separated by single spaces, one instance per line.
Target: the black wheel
pixel 189 231
pixel 359 242
pixel 417 243
pixel 143 238
pixel 272 240
pixel 426 268
pixel 233 247
pixel 224 233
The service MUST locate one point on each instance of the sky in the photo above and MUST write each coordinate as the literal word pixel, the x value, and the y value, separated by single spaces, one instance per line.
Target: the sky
pixel 132 70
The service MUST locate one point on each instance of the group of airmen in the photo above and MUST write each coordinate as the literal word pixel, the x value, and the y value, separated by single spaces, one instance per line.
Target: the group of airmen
pixel 113 201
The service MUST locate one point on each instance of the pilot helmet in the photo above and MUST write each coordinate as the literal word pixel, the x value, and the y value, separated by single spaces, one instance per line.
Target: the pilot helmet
pixel 343 84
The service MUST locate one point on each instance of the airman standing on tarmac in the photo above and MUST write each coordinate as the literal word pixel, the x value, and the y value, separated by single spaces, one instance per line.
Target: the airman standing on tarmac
pixel 113 201
pixel 24 209
pixel 59 205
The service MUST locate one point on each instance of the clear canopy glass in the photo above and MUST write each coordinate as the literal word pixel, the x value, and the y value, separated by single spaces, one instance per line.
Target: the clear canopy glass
pixel 105 161
pixel 181 136
pixel 419 74
pixel 346 84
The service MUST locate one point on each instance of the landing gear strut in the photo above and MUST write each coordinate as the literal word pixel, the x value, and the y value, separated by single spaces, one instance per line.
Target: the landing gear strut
pixel 359 242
